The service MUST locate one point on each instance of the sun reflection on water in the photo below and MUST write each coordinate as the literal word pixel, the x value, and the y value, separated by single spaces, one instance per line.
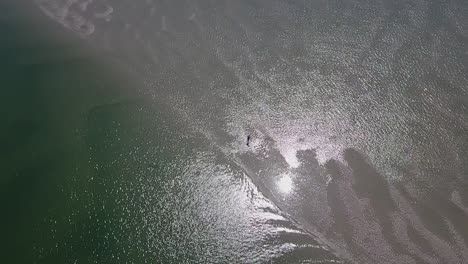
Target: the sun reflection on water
pixel 285 183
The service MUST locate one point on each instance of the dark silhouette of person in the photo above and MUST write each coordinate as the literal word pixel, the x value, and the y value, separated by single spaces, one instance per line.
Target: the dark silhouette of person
pixel 248 140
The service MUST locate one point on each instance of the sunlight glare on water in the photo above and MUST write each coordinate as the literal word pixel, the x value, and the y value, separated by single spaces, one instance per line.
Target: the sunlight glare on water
pixel 285 183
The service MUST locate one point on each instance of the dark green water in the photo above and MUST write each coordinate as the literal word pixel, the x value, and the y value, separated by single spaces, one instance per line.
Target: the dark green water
pixel 64 120
pixel 49 85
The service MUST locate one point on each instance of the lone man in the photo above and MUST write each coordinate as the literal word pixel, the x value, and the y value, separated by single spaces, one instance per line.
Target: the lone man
pixel 248 140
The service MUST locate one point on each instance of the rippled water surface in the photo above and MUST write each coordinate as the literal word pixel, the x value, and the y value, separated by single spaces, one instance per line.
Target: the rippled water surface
pixel 127 122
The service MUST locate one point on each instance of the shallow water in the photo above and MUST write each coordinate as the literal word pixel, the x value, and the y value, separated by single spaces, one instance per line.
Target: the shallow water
pixel 127 142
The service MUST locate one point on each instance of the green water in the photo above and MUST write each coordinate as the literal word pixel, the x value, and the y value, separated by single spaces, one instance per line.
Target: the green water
pixel 49 88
